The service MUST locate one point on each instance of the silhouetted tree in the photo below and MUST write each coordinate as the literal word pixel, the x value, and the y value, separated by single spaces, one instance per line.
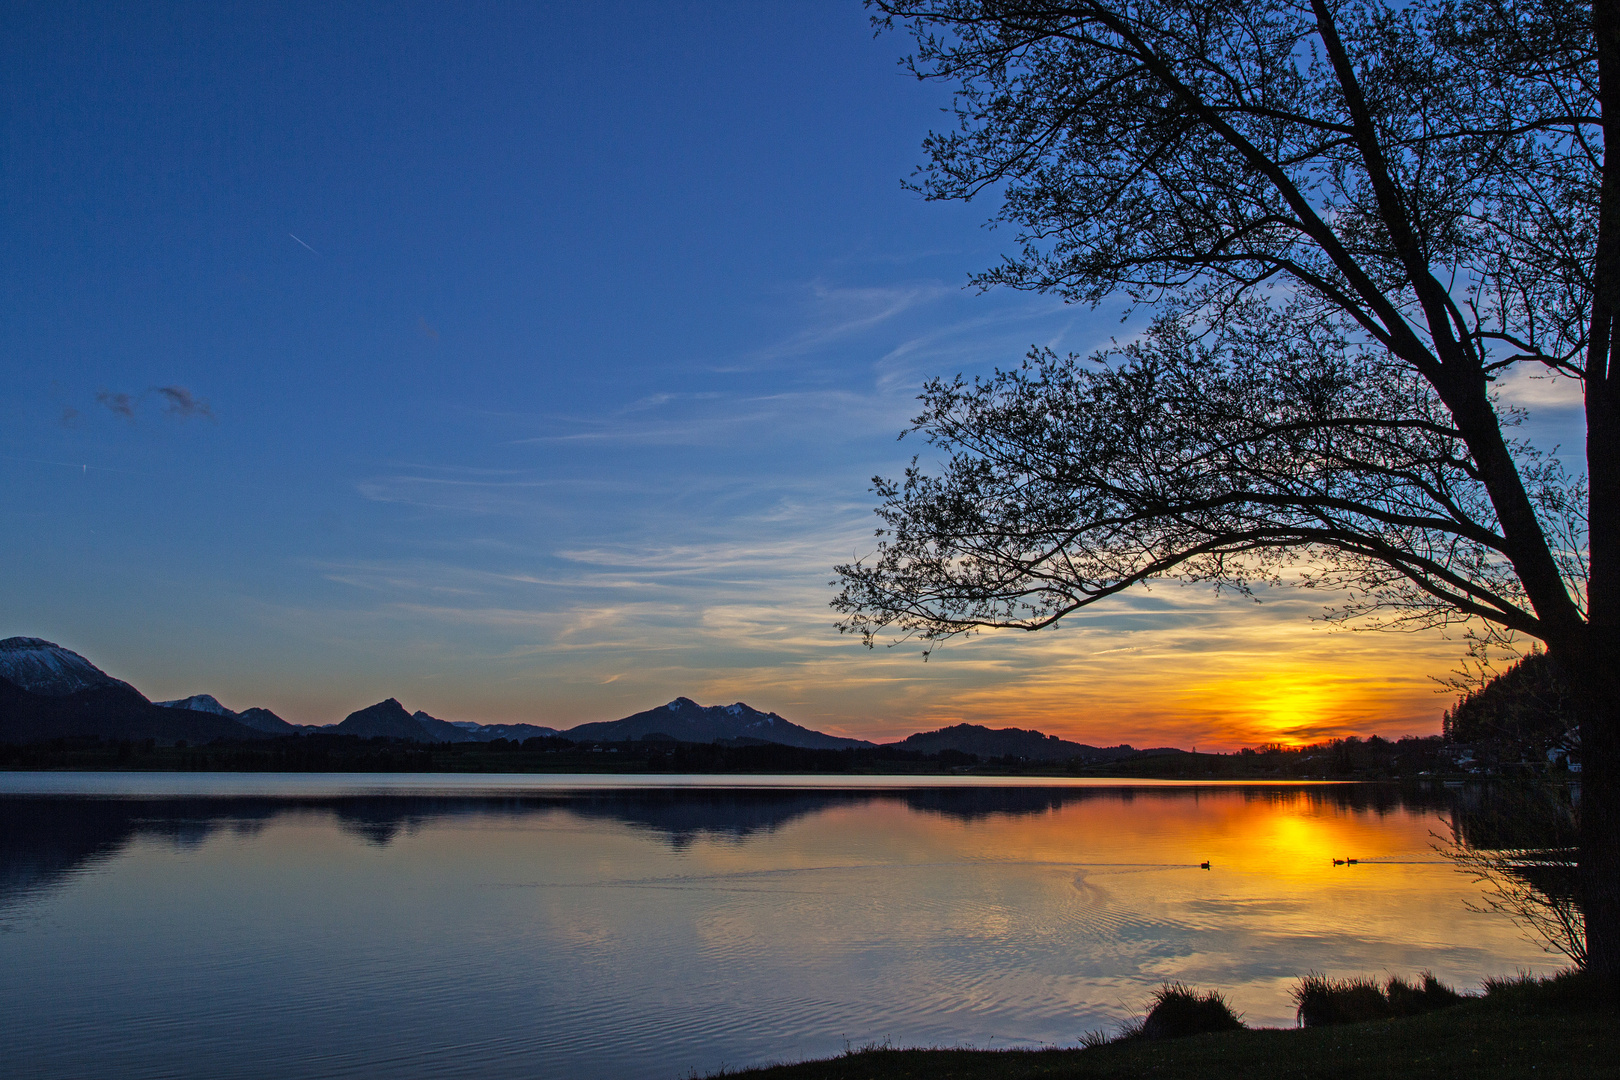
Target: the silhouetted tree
pixel 1521 714
pixel 1349 219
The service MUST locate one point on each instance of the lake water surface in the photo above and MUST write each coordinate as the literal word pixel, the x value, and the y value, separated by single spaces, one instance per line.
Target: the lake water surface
pixel 230 925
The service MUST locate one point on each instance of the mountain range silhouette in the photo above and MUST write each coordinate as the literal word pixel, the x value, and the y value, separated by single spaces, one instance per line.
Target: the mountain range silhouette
pixel 50 692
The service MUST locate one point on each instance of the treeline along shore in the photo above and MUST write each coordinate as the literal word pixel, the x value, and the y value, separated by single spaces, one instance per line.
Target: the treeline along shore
pixel 1345 759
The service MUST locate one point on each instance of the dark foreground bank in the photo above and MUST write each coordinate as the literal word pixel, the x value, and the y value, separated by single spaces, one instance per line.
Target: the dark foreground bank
pixel 1554 1029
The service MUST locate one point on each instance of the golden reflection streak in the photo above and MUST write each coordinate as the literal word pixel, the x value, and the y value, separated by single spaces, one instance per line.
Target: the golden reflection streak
pixel 1112 880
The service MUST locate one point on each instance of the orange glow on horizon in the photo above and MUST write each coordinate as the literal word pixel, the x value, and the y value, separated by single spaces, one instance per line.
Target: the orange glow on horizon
pixel 1220 678
pixel 1192 671
pixel 1291 705
pixel 1257 702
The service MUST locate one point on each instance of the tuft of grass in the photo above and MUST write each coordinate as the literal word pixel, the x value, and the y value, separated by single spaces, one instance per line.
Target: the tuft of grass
pixel 874 1046
pixel 1429 994
pixel 1572 986
pixel 1179 1011
pixel 1320 1001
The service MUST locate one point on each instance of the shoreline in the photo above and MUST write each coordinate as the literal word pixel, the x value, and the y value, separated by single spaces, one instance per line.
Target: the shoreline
pixel 1557 1027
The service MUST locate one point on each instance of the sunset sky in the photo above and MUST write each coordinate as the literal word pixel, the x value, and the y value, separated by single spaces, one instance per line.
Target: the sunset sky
pixel 531 362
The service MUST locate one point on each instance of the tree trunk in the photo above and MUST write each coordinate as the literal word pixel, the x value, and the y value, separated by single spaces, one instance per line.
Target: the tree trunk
pixel 1596 668
pixel 1597 679
pixel 1597 684
pixel 1600 848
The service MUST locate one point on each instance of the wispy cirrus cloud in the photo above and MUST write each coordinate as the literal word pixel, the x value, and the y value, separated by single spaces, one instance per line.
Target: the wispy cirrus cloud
pixel 716 419
pixel 461 489
pixel 836 313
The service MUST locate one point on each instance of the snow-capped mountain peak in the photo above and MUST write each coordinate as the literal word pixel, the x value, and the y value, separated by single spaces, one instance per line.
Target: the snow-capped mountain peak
pixel 207 703
pixel 759 718
pixel 44 667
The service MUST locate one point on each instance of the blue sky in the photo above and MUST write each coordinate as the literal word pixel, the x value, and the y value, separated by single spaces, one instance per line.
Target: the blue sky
pixel 524 362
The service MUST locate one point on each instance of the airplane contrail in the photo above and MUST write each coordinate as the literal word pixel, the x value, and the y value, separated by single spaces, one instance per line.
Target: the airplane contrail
pixel 83 468
pixel 312 250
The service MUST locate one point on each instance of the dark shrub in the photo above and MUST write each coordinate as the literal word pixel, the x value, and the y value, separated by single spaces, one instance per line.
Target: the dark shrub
pixel 1406 999
pixel 1321 1000
pixel 1570 986
pixel 1179 1010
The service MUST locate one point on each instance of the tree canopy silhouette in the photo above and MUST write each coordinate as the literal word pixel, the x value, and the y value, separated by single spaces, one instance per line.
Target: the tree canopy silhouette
pixel 1523 713
pixel 1351 221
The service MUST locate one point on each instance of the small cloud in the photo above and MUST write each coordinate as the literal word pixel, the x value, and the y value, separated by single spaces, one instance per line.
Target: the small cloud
pixel 122 404
pixel 70 416
pixel 1530 387
pixel 178 401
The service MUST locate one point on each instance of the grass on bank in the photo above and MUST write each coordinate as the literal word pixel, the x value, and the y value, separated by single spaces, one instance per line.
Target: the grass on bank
pixel 1321 1001
pixel 1557 1027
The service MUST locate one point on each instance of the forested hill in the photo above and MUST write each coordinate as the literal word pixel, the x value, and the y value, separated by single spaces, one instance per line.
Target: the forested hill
pixel 1523 714
pixel 1008 742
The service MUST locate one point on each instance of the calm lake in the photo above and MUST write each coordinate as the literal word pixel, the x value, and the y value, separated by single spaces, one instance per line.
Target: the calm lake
pixel 214 925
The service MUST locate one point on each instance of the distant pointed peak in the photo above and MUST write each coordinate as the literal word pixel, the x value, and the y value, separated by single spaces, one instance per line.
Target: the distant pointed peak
pixel 680 703
pixel 387 706
pixel 387 717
